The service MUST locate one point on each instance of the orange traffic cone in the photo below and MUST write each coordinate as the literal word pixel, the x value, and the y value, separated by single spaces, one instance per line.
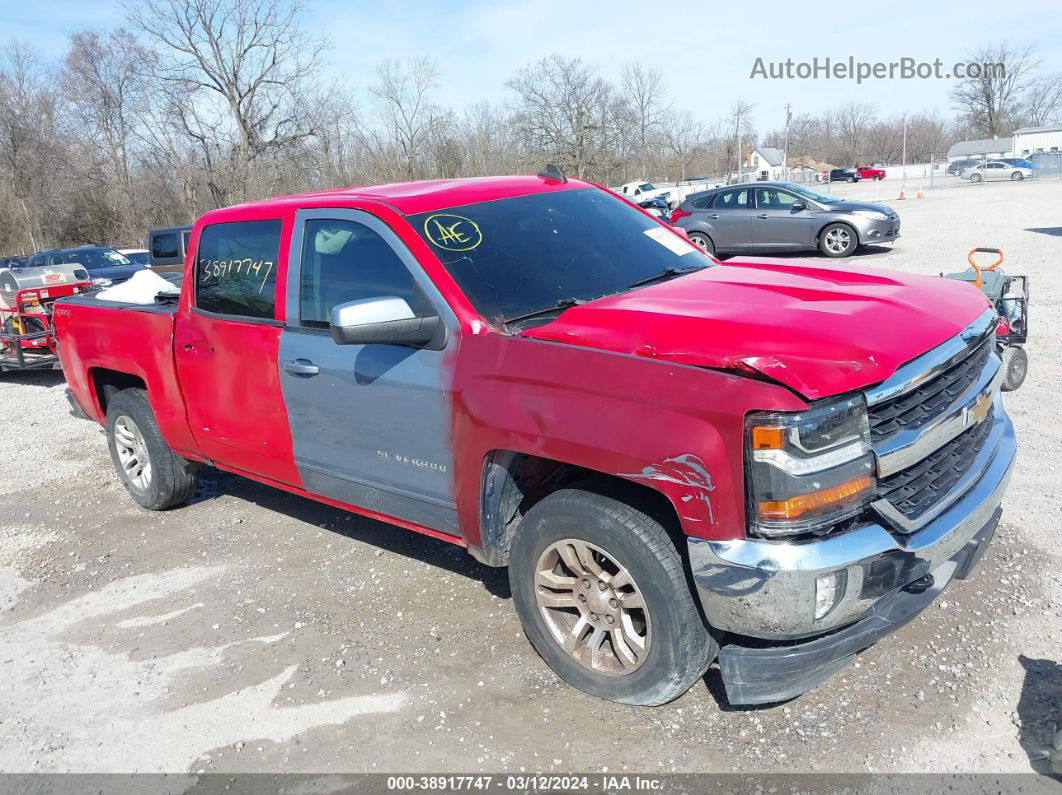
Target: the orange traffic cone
pixel 902 196
pixel 920 194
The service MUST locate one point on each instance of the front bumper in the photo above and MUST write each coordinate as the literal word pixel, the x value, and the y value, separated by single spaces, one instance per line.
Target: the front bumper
pixel 766 589
pixel 871 231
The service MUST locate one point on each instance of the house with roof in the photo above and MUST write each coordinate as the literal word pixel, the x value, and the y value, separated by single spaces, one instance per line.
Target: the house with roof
pixel 982 149
pixel 763 163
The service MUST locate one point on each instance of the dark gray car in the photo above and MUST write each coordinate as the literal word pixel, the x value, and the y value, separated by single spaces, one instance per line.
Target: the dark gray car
pixel 782 216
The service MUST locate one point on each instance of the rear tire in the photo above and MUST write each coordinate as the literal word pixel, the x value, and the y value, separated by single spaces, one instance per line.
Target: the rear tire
pixel 1015 368
pixel 598 555
pixel 155 476
pixel 703 242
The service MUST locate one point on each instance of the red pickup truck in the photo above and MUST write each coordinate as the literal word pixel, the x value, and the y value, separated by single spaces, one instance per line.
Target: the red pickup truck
pixel 765 463
pixel 868 172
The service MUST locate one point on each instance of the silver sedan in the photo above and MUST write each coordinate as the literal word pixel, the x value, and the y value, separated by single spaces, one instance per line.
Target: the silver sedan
pixel 782 216
pixel 995 170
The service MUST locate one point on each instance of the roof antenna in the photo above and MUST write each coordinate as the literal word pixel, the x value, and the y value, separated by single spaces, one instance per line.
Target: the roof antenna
pixel 553 173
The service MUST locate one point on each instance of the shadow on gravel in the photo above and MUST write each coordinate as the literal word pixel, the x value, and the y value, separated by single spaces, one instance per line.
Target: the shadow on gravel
pixel 862 251
pixel 32 377
pixel 1047 230
pixel 379 534
pixel 1040 713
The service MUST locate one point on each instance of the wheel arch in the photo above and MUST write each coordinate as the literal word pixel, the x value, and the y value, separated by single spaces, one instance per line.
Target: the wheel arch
pixel 513 482
pixel 851 227
pixel 106 383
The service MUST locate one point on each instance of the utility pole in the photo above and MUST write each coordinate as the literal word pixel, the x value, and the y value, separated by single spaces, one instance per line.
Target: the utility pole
pixel 785 146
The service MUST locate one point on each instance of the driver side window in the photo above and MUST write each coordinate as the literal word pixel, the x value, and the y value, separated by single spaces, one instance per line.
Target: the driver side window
pixel 347 261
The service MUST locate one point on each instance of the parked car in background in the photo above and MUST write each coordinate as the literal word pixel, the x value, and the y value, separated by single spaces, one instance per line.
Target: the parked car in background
pixel 640 191
pixel 104 265
pixel 869 172
pixel 167 246
pixel 141 256
pixel 956 167
pixel 996 170
pixel 783 216
pixel 840 175
pixel 14 261
pixel 1017 162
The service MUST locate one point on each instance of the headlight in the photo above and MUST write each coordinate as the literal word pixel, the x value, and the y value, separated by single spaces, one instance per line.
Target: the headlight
pixel 873 215
pixel 810 469
pixel 102 282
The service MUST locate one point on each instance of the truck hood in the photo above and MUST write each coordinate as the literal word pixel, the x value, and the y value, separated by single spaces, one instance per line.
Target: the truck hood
pixel 819 330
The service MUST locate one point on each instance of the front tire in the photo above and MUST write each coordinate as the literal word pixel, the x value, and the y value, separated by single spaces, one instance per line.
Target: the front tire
pixel 155 476
pixel 1017 176
pixel 1015 368
pixel 602 594
pixel 703 242
pixel 975 178
pixel 838 240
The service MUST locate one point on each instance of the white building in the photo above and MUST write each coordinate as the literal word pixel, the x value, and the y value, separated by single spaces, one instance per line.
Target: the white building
pixel 1030 140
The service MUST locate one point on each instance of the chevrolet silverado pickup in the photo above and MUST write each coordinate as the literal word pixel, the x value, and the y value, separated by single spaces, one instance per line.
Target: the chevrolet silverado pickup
pixel 764 464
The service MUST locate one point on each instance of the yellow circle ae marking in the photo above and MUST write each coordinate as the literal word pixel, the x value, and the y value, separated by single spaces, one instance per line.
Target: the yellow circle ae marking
pixel 452 232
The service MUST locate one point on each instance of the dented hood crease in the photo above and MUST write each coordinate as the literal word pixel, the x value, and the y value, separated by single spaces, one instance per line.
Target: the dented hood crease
pixel 819 330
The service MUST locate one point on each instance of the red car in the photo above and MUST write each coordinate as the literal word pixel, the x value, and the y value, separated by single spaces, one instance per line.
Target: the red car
pixel 679 460
pixel 867 172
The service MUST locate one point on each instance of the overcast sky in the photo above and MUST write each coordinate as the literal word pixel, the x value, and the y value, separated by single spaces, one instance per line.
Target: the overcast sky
pixel 706 50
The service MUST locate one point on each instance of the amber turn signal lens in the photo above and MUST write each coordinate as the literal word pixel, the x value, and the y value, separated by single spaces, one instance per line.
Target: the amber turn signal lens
pixel 768 437
pixel 795 507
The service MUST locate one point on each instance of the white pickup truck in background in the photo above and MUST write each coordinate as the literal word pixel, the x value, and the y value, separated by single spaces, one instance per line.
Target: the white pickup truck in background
pixel 674 192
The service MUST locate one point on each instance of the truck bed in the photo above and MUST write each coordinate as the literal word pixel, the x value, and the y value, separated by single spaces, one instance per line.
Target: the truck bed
pixel 101 339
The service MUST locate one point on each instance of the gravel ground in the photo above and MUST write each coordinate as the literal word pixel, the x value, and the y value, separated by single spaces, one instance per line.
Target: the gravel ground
pixel 256 631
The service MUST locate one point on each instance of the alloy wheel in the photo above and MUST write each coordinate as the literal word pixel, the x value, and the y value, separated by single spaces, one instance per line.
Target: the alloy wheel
pixel 132 452
pixel 593 607
pixel 837 240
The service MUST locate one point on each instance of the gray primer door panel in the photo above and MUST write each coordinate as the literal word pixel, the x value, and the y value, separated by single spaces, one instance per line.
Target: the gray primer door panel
pixel 372 427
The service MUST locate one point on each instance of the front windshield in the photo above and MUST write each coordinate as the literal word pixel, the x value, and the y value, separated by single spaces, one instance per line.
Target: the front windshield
pixel 811 194
pixel 93 258
pixel 647 186
pixel 514 256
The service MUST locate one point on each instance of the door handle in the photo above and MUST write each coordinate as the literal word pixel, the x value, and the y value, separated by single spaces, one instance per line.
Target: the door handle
pixel 763 215
pixel 301 367
pixel 714 216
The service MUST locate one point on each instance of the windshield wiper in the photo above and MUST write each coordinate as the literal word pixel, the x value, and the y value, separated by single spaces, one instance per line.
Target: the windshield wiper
pixel 666 273
pixel 560 304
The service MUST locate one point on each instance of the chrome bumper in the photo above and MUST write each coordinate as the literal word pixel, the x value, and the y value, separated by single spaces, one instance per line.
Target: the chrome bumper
pixel 766 589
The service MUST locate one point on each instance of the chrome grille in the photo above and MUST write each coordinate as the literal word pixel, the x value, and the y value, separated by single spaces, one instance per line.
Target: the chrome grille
pixel 919 406
pixel 919 487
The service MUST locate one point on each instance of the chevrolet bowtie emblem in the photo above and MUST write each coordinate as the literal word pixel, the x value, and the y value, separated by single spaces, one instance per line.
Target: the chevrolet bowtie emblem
pixel 971 415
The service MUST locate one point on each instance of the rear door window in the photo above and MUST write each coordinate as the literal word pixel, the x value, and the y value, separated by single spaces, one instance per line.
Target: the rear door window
pixel 164 245
pixel 732 200
pixel 236 268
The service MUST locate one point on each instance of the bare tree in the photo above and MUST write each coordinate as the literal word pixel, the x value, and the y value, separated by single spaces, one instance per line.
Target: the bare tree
pixel 243 65
pixel 645 102
pixel 685 136
pixel 104 83
pixel 32 148
pixel 990 98
pixel 566 113
pixel 1043 101
pixel 403 94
